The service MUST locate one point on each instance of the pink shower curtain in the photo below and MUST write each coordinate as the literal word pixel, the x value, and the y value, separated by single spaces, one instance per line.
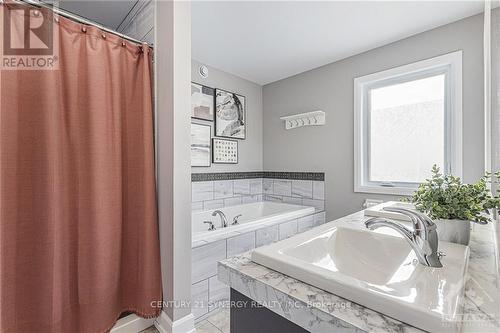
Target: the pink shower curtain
pixel 79 238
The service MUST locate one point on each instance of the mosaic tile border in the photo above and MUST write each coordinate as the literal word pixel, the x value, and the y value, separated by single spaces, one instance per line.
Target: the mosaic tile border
pixel 203 177
pixel 319 176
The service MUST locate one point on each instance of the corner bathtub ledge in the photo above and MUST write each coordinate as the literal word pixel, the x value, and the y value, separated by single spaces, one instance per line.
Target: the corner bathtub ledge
pixel 288 212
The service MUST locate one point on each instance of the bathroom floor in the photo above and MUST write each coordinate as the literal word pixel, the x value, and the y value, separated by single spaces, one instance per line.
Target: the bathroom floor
pixel 217 322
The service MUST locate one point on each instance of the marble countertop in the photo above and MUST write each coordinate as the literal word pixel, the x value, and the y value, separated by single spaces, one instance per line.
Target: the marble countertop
pixel 319 311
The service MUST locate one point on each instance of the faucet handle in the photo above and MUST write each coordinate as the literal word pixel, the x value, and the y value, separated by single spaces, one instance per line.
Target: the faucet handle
pixel 211 225
pixel 235 219
pixel 417 218
pixel 411 214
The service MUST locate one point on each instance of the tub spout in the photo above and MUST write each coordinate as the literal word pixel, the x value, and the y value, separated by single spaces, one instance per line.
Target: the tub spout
pixel 223 218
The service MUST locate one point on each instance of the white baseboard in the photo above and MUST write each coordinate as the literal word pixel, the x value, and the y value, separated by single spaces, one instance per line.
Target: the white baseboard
pixel 184 325
pixel 131 324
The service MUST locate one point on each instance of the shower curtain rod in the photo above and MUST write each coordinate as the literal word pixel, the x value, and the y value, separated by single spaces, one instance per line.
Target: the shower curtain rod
pixel 80 19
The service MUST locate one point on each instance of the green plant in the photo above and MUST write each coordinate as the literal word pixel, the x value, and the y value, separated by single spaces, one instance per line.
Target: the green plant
pixel 446 197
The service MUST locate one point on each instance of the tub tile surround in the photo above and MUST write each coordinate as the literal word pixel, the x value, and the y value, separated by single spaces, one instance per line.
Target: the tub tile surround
pixel 302 189
pixel 223 189
pixel 319 311
pixel 206 255
pixel 305 223
pixel 287 229
pixel 319 218
pixel 267 235
pixel 203 258
pixel 240 244
pixel 242 187
pixel 233 201
pixel 289 200
pixel 255 186
pixel 212 204
pixel 283 187
pixel 252 198
pixel 319 190
pixel 267 186
pixel 218 190
pixel 202 191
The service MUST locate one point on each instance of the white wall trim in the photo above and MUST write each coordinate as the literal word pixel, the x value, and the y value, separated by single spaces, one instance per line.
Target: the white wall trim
pixel 454 61
pixel 173 99
pixel 183 325
pixel 131 324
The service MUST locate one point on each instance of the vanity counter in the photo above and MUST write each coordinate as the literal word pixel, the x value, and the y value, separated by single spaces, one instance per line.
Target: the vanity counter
pixel 316 310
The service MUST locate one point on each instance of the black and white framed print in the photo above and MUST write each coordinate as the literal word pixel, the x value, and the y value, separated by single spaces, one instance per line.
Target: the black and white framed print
pixel 202 102
pixel 200 145
pixel 230 111
pixel 224 151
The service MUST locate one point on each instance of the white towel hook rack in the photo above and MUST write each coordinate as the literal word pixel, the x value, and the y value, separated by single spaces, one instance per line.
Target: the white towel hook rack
pixel 313 118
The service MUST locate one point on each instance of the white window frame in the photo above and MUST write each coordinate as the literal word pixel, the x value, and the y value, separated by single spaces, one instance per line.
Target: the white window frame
pixel 451 65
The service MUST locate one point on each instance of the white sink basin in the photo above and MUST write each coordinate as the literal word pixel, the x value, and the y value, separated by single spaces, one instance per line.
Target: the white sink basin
pixel 377 270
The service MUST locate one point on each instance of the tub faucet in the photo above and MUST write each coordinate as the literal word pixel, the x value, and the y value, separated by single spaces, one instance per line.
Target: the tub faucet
pixel 235 219
pixel 223 218
pixel 423 238
pixel 211 226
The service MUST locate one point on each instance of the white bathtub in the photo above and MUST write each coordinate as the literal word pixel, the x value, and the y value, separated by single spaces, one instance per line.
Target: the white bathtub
pixel 254 216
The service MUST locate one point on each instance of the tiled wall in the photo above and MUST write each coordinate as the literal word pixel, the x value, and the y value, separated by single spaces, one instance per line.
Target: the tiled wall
pixel 216 190
pixel 299 192
pixel 223 193
pixel 207 292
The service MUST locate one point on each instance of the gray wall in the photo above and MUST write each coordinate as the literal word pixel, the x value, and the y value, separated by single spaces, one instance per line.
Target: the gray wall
pixel 250 149
pixel 329 148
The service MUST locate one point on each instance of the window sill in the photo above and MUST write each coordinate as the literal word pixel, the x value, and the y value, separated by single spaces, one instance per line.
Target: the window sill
pixel 406 191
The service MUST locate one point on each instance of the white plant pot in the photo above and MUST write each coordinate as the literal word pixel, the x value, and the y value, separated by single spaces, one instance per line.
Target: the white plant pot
pixel 453 231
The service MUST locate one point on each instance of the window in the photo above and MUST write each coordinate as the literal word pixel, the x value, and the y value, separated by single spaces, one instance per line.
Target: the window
pixel 406 120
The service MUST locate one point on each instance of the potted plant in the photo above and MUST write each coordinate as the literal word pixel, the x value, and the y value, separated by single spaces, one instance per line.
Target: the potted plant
pixel 453 205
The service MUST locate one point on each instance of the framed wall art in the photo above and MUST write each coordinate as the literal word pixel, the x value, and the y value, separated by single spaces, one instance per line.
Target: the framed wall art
pixel 202 102
pixel 200 145
pixel 224 151
pixel 230 115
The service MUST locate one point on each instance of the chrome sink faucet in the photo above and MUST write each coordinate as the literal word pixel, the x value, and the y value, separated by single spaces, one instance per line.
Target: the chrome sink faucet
pixel 423 238
pixel 223 218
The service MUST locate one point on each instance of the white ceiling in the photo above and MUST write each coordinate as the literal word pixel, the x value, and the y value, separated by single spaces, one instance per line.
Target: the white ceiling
pixel 265 41
pixel 109 13
pixel 268 41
